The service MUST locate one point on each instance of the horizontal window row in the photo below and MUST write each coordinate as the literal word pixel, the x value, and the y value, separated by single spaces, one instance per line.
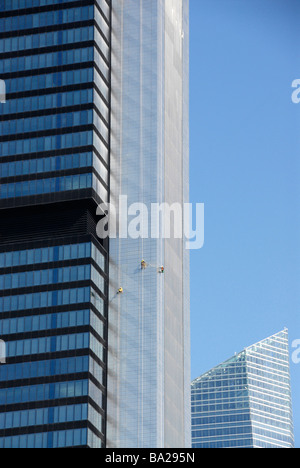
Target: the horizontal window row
pixel 44 345
pixel 48 39
pixel 56 121
pixel 220 395
pixel 46 60
pixel 35 369
pixel 51 254
pixel 271 422
pixel 270 400
pixel 223 373
pixel 44 392
pixel 76 318
pixel 273 372
pixel 34 145
pixel 48 101
pixel 272 410
pixel 54 185
pixel 53 143
pixel 55 164
pixel 233 431
pixel 47 18
pixel 46 122
pixel 51 367
pixel 51 164
pixel 211 394
pixel 44 416
pixel 230 436
pixel 245 443
pixel 44 186
pixel 44 440
pixel 233 381
pixel 212 411
pixel 45 299
pixel 54 321
pixel 54 344
pixel 205 408
pixel 44 277
pixel 234 418
pixel 50 80
pixel 51 299
pixel 45 255
pixel 272 356
pixel 50 277
pixel 56 101
pixel 269 346
pixel 219 385
pixel 6 5
pixel 271 388
pixel 53 415
pixel 272 434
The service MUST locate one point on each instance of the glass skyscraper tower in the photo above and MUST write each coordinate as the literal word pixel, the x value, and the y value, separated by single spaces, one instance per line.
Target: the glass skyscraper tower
pixel 96 107
pixel 149 354
pixel 246 401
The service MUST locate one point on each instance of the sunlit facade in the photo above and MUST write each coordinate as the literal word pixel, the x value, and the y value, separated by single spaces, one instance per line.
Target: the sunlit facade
pixel 246 401
pixel 149 347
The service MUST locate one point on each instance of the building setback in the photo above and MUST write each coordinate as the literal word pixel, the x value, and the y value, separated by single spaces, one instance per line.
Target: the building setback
pixel 96 106
pixel 246 401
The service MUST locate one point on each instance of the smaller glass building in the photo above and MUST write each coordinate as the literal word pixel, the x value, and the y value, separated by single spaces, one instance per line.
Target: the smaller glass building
pixel 246 401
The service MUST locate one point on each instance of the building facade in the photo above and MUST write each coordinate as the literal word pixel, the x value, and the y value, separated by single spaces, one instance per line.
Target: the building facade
pixel 246 401
pixel 54 169
pixel 96 106
pixel 149 353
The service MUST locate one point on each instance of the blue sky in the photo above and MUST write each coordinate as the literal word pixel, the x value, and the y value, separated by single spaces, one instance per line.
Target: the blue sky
pixel 245 152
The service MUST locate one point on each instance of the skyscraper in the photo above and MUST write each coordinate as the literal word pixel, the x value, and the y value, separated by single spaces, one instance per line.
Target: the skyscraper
pixel 55 133
pixel 246 401
pixel 149 355
pixel 96 107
